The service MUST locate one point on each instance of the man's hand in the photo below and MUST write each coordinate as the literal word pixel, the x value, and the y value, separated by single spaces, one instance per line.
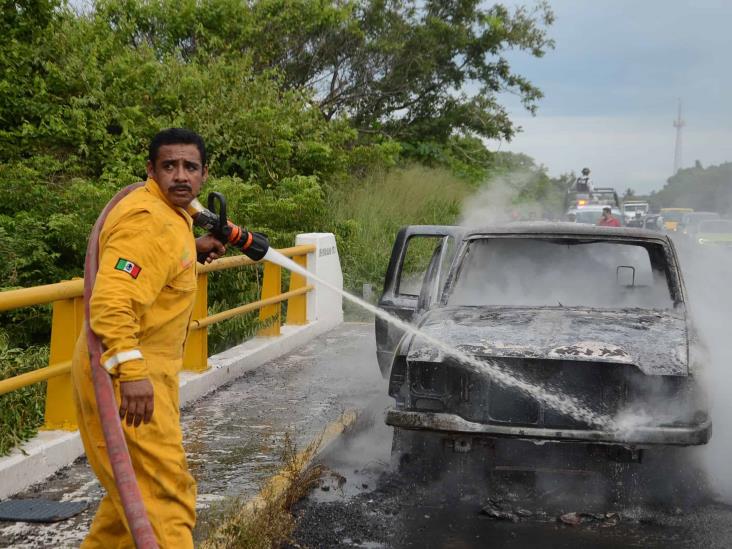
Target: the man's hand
pixel 137 401
pixel 210 245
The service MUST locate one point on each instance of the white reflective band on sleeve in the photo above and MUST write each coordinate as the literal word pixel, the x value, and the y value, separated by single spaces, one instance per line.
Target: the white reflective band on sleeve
pixel 119 358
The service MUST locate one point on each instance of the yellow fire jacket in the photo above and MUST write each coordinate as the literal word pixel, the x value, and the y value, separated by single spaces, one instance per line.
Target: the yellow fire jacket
pixel 140 308
pixel 145 287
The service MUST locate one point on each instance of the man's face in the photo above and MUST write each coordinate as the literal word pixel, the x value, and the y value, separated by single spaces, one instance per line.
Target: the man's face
pixel 605 213
pixel 179 172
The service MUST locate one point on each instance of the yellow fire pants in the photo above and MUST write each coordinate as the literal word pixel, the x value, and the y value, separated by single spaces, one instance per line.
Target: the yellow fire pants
pixel 156 449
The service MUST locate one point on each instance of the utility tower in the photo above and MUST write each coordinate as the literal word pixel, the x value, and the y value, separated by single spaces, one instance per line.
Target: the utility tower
pixel 678 124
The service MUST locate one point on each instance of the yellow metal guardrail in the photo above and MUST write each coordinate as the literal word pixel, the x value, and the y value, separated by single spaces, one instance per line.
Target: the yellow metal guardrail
pixel 68 317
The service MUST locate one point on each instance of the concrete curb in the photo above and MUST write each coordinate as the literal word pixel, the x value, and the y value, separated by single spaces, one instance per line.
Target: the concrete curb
pixel 50 451
pixel 280 483
pixel 277 485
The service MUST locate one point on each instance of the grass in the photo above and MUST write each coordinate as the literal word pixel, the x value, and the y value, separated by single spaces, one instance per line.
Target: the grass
pixel 21 411
pixel 369 212
pixel 266 521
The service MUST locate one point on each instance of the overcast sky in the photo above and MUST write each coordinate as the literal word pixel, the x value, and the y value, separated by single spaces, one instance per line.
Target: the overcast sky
pixel 612 84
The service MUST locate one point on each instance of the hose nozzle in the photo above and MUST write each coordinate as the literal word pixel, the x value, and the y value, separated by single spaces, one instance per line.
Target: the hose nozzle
pixel 253 245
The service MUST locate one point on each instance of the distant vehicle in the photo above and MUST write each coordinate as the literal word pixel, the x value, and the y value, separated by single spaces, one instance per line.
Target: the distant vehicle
pixel 631 207
pixel 689 224
pixel 524 298
pixel 590 215
pixel 576 199
pixel 634 221
pixel 653 222
pixel 672 217
pixel 714 233
pixel 605 196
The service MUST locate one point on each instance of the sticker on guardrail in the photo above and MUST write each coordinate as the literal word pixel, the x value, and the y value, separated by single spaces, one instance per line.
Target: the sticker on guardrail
pixel 328 250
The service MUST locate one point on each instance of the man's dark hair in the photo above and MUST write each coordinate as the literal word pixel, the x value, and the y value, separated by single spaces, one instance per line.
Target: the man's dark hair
pixel 176 136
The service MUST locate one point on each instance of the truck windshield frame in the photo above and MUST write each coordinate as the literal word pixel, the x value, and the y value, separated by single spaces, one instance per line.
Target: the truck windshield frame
pixel 567 271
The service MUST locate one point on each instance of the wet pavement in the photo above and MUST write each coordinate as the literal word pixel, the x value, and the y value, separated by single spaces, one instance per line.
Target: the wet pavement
pixel 368 500
pixel 234 436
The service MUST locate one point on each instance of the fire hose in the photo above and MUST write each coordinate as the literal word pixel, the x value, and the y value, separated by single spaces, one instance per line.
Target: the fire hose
pixel 253 245
pixel 114 437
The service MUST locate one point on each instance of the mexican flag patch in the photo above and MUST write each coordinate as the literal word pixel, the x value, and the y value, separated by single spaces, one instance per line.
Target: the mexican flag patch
pixel 128 267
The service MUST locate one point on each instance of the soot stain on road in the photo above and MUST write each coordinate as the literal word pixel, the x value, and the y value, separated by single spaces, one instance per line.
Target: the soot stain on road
pixel 367 499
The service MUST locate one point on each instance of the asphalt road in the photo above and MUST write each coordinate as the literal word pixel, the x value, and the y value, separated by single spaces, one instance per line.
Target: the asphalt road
pixel 234 437
pixel 367 500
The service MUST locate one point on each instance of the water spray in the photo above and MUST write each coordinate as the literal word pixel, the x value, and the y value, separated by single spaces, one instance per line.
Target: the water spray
pixel 564 404
pixel 256 247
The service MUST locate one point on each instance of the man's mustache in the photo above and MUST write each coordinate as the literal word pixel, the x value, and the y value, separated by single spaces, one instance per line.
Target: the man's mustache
pixel 182 188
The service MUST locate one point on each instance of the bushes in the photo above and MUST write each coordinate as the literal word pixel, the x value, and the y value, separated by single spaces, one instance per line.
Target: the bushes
pixel 81 95
pixel 21 411
pixel 368 213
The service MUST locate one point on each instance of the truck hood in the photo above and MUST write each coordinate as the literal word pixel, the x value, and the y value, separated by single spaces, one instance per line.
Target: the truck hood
pixel 653 340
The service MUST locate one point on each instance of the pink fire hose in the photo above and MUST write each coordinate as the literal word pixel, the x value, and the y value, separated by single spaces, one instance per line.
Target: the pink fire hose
pixel 119 456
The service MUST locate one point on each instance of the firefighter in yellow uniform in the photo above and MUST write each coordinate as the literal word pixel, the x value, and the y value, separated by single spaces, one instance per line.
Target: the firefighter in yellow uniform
pixel 140 308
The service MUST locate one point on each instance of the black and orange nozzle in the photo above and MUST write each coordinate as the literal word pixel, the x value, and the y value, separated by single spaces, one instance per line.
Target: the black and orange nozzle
pixel 213 219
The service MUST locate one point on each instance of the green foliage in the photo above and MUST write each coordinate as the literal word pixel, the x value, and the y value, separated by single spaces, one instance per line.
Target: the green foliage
pixel 226 290
pixel 310 110
pixel 368 213
pixel 548 193
pixel 704 189
pixel 469 159
pixel 401 68
pixel 21 411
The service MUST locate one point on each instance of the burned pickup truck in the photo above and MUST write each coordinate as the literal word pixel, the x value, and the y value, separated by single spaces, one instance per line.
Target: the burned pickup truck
pixel 595 314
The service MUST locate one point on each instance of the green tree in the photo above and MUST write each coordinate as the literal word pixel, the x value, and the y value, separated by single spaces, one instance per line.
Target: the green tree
pixel 407 69
pixel 704 189
pixel 25 27
pixel 421 71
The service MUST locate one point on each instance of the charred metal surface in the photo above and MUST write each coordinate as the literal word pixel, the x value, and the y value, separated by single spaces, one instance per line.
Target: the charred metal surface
pixel 655 341
pixel 641 436
pixel 643 406
pixel 568 229
pixel 624 363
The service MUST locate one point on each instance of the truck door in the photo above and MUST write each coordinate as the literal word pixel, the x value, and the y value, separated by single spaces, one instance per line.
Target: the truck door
pixel 419 262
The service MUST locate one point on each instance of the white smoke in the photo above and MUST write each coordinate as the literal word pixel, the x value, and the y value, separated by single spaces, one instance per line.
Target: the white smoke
pixel 497 202
pixel 708 274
